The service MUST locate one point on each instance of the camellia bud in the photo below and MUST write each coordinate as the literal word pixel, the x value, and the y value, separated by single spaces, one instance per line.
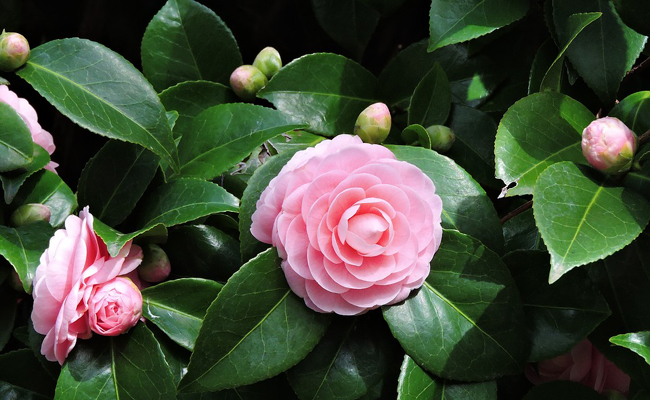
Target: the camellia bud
pixel 373 124
pixel 246 81
pixel 14 51
pixel 442 138
pixel 155 265
pixel 609 145
pixel 30 213
pixel 268 61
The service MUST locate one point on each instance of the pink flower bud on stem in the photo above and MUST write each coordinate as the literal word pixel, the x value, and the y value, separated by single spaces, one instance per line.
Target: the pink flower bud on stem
pixel 246 81
pixel 268 61
pixel 155 265
pixel 442 138
pixel 14 51
pixel 373 124
pixel 609 145
pixel 30 213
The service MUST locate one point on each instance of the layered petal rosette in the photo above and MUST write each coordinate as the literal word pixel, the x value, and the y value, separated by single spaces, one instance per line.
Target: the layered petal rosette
pixel 356 228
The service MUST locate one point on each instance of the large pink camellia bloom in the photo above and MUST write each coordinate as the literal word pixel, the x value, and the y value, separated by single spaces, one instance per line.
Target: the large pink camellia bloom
pixel 583 364
pixel 40 136
pixel 75 263
pixel 356 228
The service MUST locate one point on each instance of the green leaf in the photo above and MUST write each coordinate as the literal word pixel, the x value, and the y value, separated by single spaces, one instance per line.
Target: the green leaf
pixel 202 251
pixel 454 22
pixel 466 322
pixel 177 307
pixel 46 187
pixel 431 100
pixel 592 51
pixel 545 57
pixel 634 111
pixel 101 91
pixel 191 98
pixel 465 206
pixel 638 342
pixel 13 180
pixel 223 135
pixel 113 181
pixel 3 81
pixel 22 377
pixel 474 146
pixel 576 23
pixel 349 22
pixel 635 14
pixel 415 135
pixel 176 357
pixel 130 366
pixel 582 219
pixel 352 357
pixel 16 144
pixel 255 329
pixel 186 41
pixel 8 300
pixel 296 140
pixel 558 316
pixel 327 91
pixel 521 233
pixel 416 384
pixel 535 132
pixel 563 390
pixel 115 240
pixel 23 247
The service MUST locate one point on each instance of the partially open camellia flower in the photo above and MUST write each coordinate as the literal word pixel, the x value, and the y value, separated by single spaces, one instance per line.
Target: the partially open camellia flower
pixel 70 270
pixel 583 364
pixel 114 307
pixel 355 227
pixel 39 135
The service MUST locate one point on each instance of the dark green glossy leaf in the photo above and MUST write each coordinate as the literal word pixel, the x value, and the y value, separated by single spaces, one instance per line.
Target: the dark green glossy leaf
pixel 544 58
pixel 327 91
pixel 535 132
pixel 582 219
pixel 8 301
pixel 23 247
pixel 186 41
pixel 465 206
pixel 593 50
pixel 296 140
pixel 13 180
pixel 417 384
pixel 191 98
pixel 454 22
pixel 176 357
pixel 202 251
pixel 352 357
pixel 431 100
pixel 255 329
pixel 130 366
pixel 521 233
pixel 635 14
pixel 634 111
pixel 466 322
pixel 101 91
pixel 223 135
pixel 16 144
pixel 23 378
pixel 638 342
pixel 46 187
pixel 563 390
pixel 558 316
pixel 177 307
pixel 114 180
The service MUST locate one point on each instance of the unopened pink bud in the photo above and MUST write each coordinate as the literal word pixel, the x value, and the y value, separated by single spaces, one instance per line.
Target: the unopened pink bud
pixel 14 51
pixel 246 81
pixel 609 145
pixel 155 265
pixel 373 124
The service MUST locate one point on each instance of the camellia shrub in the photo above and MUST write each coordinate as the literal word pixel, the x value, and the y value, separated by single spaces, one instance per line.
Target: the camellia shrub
pixel 361 204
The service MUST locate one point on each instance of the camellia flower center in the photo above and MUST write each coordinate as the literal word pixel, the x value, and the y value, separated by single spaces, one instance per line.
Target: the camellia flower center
pixel 368 227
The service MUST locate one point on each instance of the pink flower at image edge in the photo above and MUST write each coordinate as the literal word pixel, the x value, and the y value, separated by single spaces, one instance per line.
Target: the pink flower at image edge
pixel 40 136
pixel 70 270
pixel 583 364
pixel 355 228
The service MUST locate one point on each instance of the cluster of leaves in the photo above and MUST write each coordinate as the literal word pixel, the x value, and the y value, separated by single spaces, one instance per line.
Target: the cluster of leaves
pixel 186 162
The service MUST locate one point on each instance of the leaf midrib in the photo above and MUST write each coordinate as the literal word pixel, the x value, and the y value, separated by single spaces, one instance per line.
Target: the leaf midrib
pixel 341 96
pixel 582 221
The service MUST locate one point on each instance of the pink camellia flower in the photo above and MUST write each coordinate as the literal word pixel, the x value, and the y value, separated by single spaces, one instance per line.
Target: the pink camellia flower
pixel 583 364
pixel 609 145
pixel 114 307
pixel 40 136
pixel 75 262
pixel 356 228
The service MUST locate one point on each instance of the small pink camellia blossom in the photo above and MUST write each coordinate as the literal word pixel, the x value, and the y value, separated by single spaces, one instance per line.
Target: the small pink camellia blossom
pixel 75 262
pixel 609 145
pixel 583 364
pixel 40 136
pixel 114 307
pixel 355 228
